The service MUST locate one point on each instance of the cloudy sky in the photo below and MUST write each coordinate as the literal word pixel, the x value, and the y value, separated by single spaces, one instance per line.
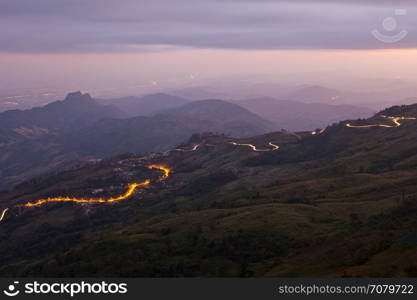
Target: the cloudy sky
pixel 58 41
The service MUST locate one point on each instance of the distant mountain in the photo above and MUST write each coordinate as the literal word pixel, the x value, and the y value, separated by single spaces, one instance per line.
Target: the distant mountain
pixel 76 111
pixel 147 105
pixel 200 93
pixel 226 117
pixel 164 130
pixel 299 116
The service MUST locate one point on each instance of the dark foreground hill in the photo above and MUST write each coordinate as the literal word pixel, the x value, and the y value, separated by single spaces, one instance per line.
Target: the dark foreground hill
pixel 338 203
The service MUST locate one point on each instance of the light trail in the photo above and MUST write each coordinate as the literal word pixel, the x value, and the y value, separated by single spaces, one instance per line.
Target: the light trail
pixel 132 188
pixel 253 147
pixel 395 120
pixel 316 132
pixel 3 214
pixel 369 126
pixel 195 147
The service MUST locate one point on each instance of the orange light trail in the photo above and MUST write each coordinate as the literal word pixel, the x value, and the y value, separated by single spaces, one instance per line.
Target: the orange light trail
pixel 395 120
pixel 167 171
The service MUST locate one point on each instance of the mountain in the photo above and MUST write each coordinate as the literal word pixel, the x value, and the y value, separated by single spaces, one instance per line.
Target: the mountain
pixel 76 111
pixel 208 92
pixel 341 203
pixel 299 116
pixel 227 117
pixel 77 130
pixel 147 105
pixel 314 94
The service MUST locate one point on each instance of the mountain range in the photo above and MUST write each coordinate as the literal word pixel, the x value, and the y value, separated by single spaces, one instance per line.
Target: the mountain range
pixel 147 105
pixel 80 129
pixel 338 203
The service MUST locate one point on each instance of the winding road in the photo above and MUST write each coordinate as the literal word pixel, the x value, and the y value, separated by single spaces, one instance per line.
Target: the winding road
pixel 3 213
pixel 132 188
pixel 130 191
pixel 316 132
pixel 395 120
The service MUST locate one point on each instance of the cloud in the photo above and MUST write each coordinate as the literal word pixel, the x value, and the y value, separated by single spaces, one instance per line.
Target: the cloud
pixel 78 26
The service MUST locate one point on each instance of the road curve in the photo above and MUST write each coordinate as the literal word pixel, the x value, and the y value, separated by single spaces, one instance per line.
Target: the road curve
pixel 254 148
pixel 130 191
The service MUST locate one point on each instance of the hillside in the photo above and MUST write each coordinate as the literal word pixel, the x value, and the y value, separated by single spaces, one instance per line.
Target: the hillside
pixel 337 203
pixel 299 116
pixel 314 94
pixel 76 111
pixel 28 138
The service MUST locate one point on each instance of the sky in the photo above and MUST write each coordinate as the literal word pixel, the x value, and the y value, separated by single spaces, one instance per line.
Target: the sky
pixel 105 44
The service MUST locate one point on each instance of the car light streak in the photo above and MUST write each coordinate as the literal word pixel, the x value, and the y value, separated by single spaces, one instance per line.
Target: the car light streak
pixel 167 171
pixel 253 147
pixel 132 188
pixel 395 120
